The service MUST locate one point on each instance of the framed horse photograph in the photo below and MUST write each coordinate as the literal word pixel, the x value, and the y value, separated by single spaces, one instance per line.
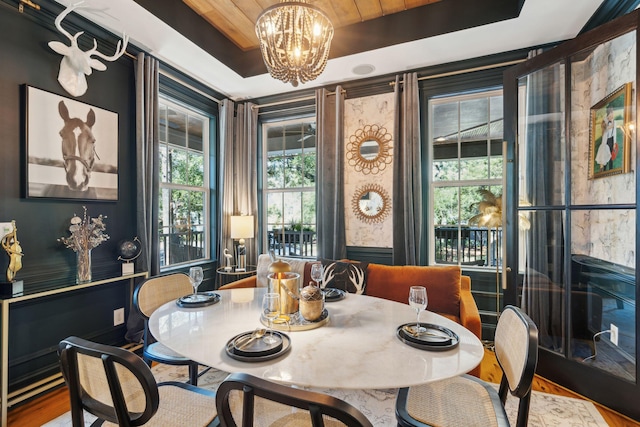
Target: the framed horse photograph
pixel 71 148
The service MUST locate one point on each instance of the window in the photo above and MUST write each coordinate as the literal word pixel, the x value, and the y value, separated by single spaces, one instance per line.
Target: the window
pixel 290 187
pixel 184 184
pixel 466 143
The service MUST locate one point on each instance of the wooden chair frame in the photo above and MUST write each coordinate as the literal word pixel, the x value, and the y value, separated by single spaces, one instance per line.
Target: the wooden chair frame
pixel 318 404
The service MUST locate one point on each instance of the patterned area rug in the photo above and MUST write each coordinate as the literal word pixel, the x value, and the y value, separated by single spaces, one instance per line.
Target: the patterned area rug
pixel 546 410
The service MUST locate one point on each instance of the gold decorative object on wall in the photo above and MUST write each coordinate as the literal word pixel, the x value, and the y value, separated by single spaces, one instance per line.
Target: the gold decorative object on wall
pixel 369 150
pixel 371 203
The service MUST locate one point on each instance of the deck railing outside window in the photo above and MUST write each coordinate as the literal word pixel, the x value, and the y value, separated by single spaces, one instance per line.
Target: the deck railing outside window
pixel 477 245
pixel 181 246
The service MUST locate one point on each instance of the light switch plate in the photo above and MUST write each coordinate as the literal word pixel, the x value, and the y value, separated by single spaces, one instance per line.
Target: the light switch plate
pixel 5 228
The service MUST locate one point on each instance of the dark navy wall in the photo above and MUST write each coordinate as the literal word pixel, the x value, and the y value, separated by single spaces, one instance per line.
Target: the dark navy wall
pixel 36 326
pixel 26 59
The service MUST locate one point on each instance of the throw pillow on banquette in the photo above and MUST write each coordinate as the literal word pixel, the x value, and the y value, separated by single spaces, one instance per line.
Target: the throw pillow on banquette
pixel 393 283
pixel 350 276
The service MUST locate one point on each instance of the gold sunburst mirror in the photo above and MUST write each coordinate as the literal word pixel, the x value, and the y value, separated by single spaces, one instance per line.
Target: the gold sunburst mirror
pixel 371 203
pixel 369 149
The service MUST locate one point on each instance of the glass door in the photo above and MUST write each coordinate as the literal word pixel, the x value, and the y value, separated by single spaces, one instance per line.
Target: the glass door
pixel 571 202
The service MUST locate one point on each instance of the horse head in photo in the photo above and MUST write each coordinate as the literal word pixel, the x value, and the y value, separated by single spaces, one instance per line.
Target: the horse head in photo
pixel 78 148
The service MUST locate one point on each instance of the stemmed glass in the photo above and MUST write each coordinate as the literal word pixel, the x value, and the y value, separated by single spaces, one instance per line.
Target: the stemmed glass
pixel 195 276
pixel 418 301
pixel 270 310
pixel 317 271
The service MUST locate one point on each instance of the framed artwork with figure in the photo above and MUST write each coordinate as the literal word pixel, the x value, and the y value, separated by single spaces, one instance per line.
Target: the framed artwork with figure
pixel 71 148
pixel 610 137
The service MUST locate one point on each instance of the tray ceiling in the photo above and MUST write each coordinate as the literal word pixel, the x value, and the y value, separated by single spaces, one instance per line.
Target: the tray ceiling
pixel 236 18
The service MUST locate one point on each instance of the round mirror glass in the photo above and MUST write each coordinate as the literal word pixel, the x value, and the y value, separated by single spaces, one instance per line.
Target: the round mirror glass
pixel 371 203
pixel 369 150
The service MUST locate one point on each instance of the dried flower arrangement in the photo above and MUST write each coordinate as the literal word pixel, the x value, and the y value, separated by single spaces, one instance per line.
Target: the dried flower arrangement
pixel 86 234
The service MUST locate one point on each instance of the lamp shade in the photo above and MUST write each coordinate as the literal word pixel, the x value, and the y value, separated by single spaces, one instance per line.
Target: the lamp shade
pixel 242 227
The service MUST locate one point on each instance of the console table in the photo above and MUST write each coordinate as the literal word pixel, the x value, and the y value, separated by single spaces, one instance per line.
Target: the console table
pixel 6 399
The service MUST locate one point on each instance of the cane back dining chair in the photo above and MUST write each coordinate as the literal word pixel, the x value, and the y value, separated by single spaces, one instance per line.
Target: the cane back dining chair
pixel 466 400
pixel 118 387
pixel 244 400
pixel 147 297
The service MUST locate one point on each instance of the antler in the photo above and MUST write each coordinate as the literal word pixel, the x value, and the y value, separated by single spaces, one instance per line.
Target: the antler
pixel 120 50
pixel 329 274
pixel 356 276
pixel 61 17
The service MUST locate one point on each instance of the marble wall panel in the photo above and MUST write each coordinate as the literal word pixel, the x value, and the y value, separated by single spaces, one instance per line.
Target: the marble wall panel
pixel 359 112
pixel 606 234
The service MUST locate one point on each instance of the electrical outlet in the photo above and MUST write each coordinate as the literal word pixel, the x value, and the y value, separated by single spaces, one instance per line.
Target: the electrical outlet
pixel 118 316
pixel 614 334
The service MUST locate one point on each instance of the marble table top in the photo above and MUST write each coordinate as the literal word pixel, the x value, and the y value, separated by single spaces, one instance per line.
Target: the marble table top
pixel 356 349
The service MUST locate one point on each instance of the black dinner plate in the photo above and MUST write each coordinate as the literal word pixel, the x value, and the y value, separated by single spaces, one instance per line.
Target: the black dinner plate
pixel 436 338
pixel 283 348
pixel 333 294
pixel 243 345
pixel 202 299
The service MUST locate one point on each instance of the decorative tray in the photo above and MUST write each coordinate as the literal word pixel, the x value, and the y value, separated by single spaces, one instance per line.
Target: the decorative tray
pixel 201 299
pixel 433 338
pixel 295 322
pixel 333 294
pixel 247 349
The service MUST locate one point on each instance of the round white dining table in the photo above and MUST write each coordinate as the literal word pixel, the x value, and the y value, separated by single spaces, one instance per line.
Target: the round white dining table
pixel 356 349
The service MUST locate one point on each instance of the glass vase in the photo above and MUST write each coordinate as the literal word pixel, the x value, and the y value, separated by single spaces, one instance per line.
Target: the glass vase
pixel 84 265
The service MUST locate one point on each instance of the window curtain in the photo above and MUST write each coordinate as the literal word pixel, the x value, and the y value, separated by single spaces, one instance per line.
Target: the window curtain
pixel 226 177
pixel 147 84
pixel 238 172
pixel 543 289
pixel 407 174
pixel 330 221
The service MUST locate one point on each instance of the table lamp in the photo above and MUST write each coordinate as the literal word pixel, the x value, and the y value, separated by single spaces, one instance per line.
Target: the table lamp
pixel 241 228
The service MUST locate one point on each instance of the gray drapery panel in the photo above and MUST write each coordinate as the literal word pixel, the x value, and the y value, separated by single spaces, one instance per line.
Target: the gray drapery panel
pixel 245 161
pixel 330 221
pixel 147 83
pixel 238 172
pixel 225 170
pixel 407 174
pixel 543 290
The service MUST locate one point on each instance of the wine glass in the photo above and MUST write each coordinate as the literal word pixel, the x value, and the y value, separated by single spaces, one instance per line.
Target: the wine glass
pixel 196 276
pixel 317 271
pixel 418 301
pixel 270 310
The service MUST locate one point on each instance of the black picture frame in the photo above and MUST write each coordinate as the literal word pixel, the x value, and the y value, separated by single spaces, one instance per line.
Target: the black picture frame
pixel 56 165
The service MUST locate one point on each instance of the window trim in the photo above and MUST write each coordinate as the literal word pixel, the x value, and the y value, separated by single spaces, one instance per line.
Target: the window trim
pixel 206 188
pixel 265 190
pixel 459 183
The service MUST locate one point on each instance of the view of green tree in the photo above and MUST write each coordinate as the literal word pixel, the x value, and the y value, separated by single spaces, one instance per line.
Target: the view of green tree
pixel 291 171
pixel 183 195
pixel 290 184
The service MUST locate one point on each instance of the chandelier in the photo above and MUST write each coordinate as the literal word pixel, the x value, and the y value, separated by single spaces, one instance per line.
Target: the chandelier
pixel 294 39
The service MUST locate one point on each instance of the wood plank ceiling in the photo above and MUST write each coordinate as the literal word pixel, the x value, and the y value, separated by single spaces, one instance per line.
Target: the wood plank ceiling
pixel 236 18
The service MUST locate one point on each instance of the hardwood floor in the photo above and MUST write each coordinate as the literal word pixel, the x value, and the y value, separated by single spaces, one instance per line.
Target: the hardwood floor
pixel 53 404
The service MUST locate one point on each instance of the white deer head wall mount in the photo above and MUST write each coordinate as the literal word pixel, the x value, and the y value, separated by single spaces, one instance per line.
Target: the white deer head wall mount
pixel 77 64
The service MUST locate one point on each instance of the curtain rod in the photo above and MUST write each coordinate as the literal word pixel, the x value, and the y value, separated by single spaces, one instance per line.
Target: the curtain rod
pixel 187 85
pixel 290 101
pixel 179 80
pixel 468 70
